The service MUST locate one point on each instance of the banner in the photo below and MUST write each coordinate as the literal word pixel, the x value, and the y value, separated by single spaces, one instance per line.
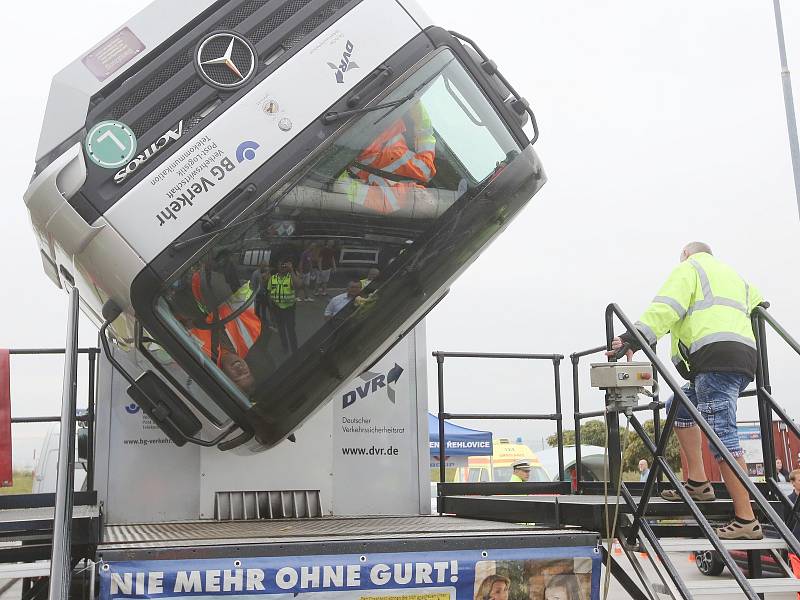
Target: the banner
pixel 571 573
pixel 459 440
pixel 750 441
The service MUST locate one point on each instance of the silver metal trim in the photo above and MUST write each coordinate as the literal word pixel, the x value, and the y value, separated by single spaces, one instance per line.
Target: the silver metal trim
pixel 227 60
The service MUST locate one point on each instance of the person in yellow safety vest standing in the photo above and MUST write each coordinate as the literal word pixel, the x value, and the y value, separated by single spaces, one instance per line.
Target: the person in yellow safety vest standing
pixel 387 173
pixel 372 275
pixel 281 289
pixel 706 307
pixel 521 471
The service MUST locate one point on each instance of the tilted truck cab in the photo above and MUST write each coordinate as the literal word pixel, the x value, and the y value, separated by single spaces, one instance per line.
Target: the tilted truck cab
pixel 209 166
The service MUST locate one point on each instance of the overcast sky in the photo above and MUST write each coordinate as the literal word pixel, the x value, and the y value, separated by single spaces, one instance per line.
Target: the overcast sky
pixel 660 123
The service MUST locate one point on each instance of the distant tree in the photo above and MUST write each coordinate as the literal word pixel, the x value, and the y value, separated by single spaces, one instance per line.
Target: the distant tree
pixel 593 433
pixel 569 439
pixel 635 450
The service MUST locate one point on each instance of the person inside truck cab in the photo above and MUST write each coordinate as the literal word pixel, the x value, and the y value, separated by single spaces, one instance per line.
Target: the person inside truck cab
pixel 207 305
pixel 219 331
pixel 388 174
pixel 238 371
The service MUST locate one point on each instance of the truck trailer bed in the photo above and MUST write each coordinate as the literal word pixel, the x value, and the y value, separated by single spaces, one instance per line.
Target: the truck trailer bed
pixel 209 539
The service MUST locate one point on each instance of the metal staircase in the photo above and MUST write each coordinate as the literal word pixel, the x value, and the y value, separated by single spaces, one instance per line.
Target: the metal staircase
pixel 638 517
pixel 44 536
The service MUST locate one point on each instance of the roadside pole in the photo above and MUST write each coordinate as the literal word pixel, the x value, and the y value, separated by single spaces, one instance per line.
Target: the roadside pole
pixel 788 100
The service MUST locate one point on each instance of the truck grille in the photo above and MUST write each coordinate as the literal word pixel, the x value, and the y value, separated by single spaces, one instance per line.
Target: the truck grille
pixel 167 82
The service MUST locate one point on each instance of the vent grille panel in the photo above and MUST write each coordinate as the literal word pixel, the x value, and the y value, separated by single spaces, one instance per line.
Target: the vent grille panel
pixel 151 85
pixel 241 13
pixel 282 504
pixel 166 107
pixel 277 19
pixel 314 22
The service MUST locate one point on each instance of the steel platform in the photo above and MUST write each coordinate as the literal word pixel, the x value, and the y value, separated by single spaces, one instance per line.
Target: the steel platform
pixel 26 532
pixel 209 539
pixel 585 511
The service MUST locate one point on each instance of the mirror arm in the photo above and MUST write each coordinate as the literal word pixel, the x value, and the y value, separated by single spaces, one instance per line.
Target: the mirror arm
pixel 109 311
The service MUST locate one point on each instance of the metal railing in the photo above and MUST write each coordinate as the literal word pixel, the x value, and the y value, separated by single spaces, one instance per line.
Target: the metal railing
pixel 61 560
pixel 556 416
pixel 88 418
pixel 767 405
pixel 655 405
pixel 660 465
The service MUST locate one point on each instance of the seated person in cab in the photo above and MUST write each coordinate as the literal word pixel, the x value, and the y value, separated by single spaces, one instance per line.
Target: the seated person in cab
pixel 238 371
pixel 221 316
pixel 388 173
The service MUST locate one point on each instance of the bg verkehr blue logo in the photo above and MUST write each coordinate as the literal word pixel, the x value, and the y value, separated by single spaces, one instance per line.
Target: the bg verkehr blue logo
pixel 247 151
pixel 132 408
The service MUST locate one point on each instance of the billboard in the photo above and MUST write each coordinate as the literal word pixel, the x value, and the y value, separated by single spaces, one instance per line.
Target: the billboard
pixel 750 441
pixel 571 573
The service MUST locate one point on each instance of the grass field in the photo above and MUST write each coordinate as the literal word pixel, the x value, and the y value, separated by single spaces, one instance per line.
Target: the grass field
pixel 23 483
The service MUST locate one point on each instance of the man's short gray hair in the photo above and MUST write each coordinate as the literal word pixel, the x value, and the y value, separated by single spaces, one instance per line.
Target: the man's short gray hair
pixel 695 247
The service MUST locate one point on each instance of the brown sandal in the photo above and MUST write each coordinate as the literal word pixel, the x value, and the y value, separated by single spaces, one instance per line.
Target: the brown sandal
pixel 700 493
pixel 736 530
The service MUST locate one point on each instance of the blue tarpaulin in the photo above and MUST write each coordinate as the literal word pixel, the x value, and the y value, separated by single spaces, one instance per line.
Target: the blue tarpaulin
pixel 460 441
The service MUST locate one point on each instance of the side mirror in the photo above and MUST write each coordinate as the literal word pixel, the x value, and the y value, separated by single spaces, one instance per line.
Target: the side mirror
pixel 165 408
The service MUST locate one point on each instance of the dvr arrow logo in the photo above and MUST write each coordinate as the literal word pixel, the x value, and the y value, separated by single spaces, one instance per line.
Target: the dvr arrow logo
pixel 393 377
pixel 345 64
pixel 372 383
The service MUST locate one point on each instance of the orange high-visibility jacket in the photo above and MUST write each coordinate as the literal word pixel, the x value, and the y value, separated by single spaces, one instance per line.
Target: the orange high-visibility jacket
pixel 389 153
pixel 243 331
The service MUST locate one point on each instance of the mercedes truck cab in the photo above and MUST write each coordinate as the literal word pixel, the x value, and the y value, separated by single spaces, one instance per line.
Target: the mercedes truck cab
pixel 258 198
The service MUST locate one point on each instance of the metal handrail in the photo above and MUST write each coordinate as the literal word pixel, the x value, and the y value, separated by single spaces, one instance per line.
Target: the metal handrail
pixel 556 416
pixel 61 563
pixel 87 419
pixel 660 463
pixel 656 405
pixel 767 405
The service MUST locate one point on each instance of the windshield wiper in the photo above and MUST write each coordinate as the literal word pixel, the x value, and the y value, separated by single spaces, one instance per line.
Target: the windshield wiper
pixel 332 117
pixel 227 228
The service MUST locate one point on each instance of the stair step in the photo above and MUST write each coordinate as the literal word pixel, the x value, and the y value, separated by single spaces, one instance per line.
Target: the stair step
pixel 692 544
pixel 25 570
pixel 713 586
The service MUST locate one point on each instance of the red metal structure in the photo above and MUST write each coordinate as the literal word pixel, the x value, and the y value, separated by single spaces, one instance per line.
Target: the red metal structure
pixel 786 444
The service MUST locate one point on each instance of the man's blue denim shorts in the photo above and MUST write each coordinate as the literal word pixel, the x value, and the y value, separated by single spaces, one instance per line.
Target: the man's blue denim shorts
pixel 715 395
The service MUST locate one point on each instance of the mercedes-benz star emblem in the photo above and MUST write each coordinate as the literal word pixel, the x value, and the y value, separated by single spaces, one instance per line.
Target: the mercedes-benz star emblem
pixel 226 60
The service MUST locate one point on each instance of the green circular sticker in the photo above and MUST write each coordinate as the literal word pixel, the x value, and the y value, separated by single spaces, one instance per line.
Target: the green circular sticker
pixel 111 144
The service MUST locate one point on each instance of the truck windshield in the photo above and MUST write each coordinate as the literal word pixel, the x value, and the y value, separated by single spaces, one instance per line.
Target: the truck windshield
pixel 319 250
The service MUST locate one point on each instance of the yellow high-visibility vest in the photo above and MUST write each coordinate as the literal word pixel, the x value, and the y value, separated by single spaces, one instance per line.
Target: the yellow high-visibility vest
pixel 281 290
pixel 702 302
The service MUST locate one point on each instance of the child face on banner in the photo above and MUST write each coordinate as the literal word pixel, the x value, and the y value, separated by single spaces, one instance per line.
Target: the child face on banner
pixel 558 592
pixel 499 591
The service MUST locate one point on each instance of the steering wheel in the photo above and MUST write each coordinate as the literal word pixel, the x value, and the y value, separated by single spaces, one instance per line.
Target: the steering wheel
pixel 255 286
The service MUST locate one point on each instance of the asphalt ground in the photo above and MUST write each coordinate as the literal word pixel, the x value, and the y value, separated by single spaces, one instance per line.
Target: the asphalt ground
pixel 689 572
